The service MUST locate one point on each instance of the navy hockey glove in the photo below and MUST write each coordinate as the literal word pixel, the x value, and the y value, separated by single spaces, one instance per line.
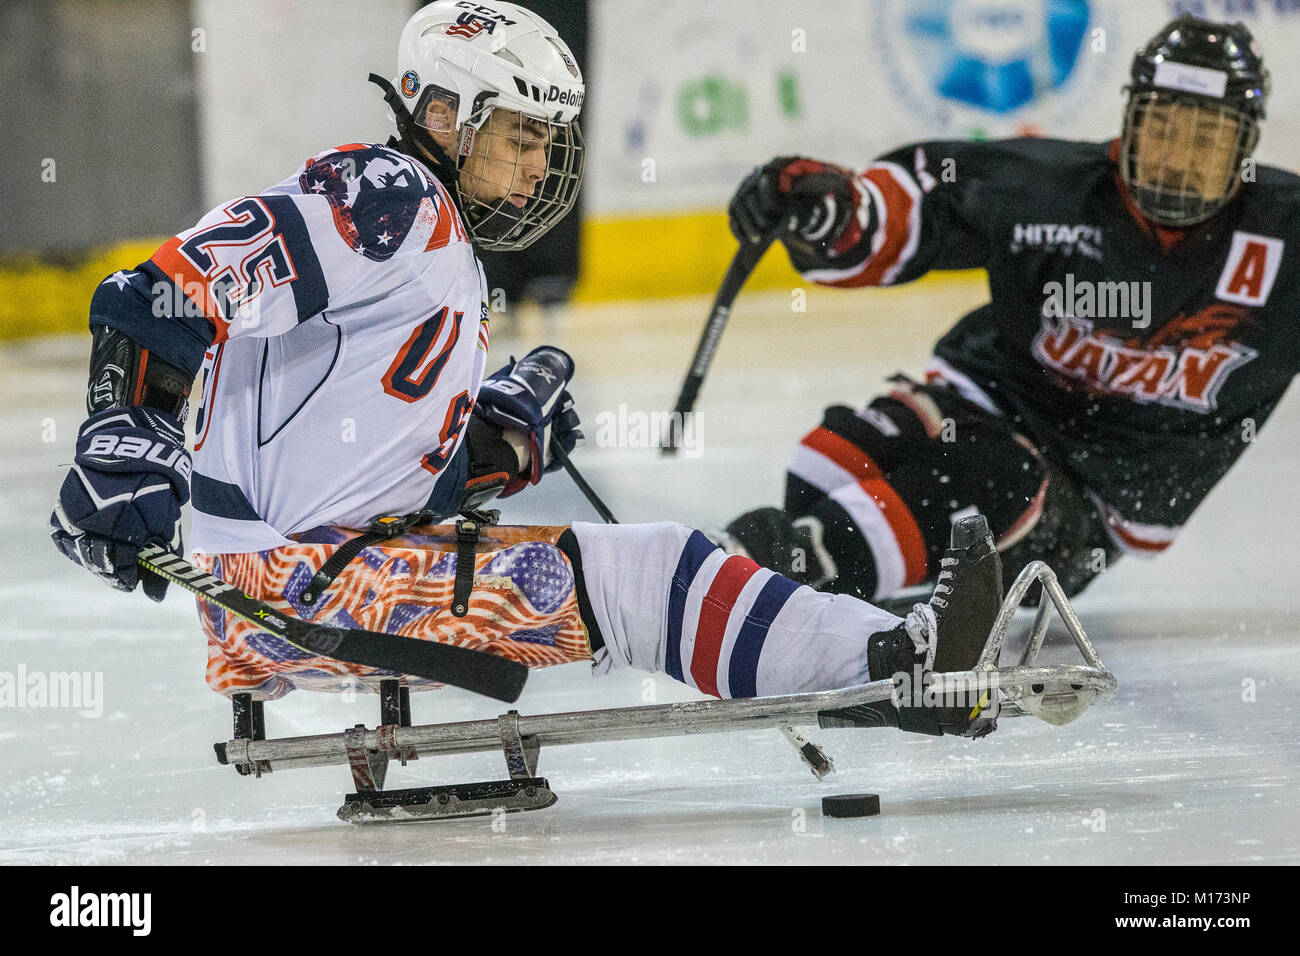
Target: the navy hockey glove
pixel 797 198
pixel 128 481
pixel 530 396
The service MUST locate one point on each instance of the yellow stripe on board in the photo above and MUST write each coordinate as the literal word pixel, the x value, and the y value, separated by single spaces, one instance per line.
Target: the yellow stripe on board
pixel 626 257
pixel 41 298
pixel 653 257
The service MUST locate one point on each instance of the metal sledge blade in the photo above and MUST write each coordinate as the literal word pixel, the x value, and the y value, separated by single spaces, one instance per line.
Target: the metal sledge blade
pixel 442 803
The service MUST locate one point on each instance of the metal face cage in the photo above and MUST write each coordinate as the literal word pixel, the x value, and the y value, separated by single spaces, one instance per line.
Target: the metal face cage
pixel 1181 156
pixel 518 174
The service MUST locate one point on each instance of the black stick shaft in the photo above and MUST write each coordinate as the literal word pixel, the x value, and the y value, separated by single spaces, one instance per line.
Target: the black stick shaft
pixel 742 264
pixel 487 674
pixel 588 492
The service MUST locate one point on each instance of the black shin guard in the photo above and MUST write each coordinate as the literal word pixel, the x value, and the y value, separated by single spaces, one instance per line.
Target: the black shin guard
pixel 791 547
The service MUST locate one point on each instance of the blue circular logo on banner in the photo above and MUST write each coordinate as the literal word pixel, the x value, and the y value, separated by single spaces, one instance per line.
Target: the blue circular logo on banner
pixel 997 55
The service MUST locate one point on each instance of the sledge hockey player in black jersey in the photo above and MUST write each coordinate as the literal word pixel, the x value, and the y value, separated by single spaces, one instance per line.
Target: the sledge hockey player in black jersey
pixel 1140 329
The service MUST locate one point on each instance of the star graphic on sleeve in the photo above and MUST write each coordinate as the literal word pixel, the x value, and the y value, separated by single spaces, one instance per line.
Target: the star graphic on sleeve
pixel 318 187
pixel 120 279
pixel 384 238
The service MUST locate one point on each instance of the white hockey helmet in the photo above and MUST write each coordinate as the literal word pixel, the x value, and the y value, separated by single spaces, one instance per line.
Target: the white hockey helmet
pixel 478 58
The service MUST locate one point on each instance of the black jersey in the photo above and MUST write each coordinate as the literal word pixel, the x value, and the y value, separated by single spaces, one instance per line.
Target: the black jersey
pixel 1141 361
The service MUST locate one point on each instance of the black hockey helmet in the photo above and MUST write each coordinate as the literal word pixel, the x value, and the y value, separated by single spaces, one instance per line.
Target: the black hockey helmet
pixel 1196 96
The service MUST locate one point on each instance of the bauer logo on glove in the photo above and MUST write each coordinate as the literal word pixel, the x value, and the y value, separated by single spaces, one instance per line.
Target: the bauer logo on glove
pixel 165 453
pixel 126 487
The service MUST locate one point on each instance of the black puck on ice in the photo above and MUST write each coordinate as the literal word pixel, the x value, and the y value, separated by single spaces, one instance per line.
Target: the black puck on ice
pixel 851 805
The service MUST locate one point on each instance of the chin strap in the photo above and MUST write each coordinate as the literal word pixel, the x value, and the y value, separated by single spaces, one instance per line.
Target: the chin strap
pixel 414 139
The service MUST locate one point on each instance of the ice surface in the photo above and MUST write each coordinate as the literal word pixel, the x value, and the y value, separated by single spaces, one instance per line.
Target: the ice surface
pixel 1182 767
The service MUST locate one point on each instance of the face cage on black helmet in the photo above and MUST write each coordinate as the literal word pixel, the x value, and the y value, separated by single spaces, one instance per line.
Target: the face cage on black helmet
pixel 1172 199
pixel 484 153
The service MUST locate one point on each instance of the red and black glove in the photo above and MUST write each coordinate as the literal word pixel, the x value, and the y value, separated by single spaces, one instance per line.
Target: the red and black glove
pixel 803 199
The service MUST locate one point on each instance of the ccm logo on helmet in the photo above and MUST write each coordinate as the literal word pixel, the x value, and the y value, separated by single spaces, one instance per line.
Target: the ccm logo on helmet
pixel 486 12
pixel 131 446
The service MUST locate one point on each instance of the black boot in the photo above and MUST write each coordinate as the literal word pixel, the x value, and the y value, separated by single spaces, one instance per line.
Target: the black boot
pixel 789 546
pixel 947 634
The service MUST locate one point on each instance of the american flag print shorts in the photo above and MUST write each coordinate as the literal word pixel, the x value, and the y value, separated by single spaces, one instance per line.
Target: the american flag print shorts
pixel 523 605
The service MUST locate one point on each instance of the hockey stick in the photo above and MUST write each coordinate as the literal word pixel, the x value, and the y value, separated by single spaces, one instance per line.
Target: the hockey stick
pixel 588 492
pixel 482 673
pixel 742 264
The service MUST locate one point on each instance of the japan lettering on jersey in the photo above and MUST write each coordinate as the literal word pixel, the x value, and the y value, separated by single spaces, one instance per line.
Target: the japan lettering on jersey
pixel 350 342
pixel 1184 364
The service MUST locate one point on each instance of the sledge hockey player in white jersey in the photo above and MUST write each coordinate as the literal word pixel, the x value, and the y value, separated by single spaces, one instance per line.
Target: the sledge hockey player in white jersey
pixel 340 324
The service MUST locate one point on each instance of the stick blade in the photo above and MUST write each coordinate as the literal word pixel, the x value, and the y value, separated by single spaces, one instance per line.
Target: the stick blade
pixel 672 441
pixel 477 671
pixel 488 674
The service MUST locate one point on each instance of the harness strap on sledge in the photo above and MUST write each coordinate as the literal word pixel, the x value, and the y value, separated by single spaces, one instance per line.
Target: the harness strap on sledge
pixel 388 526
pixel 467 530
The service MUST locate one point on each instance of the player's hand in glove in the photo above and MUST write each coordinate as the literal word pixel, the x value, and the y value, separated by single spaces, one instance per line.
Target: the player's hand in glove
pixel 801 199
pixel 128 481
pixel 530 396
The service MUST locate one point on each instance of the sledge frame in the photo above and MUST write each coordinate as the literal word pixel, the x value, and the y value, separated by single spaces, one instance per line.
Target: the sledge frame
pixel 1056 693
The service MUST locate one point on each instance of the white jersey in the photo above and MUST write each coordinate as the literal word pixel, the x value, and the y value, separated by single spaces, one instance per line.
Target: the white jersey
pixel 352 343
